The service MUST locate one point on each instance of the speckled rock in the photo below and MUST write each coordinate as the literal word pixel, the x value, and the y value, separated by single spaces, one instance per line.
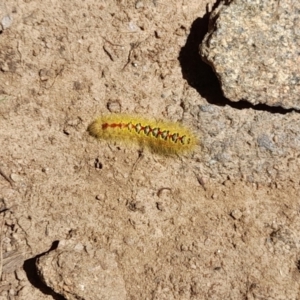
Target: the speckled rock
pixel 75 273
pixel 253 46
pixel 259 146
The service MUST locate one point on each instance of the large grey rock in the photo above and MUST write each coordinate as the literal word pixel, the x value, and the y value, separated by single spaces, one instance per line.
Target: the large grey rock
pixel 253 46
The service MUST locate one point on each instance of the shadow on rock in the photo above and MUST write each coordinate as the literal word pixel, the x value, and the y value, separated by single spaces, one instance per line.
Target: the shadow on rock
pixel 33 276
pixel 201 76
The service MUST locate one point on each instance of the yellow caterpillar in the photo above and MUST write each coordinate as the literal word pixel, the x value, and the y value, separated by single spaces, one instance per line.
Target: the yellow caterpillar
pixel 161 137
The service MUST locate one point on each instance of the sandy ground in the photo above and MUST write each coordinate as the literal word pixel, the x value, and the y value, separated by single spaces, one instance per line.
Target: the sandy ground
pixel 172 229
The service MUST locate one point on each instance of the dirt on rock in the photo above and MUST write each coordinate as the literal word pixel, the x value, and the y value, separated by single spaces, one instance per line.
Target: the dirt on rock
pixel 84 218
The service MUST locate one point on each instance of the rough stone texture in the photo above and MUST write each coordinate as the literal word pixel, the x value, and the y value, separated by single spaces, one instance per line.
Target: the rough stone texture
pixel 75 273
pixel 253 46
pixel 257 146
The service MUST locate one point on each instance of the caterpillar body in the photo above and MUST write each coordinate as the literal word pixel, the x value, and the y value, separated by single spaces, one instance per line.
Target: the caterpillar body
pixel 161 137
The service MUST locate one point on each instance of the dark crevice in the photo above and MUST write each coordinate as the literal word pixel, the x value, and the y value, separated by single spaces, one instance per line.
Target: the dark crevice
pixel 200 75
pixel 33 277
pixel 298 265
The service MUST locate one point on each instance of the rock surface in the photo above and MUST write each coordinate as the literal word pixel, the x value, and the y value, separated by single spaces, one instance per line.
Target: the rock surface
pixel 77 274
pixel 253 46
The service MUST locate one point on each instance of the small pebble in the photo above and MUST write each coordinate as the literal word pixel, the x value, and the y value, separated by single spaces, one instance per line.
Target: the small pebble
pixel 160 206
pixel 16 177
pixel 236 214
pixel 114 106
pixel 184 248
pixel 90 48
pixel 100 197
pixel 79 247
pixel 43 74
pixel 214 196
pixel 6 22
pixel 139 4
pixel 4 67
